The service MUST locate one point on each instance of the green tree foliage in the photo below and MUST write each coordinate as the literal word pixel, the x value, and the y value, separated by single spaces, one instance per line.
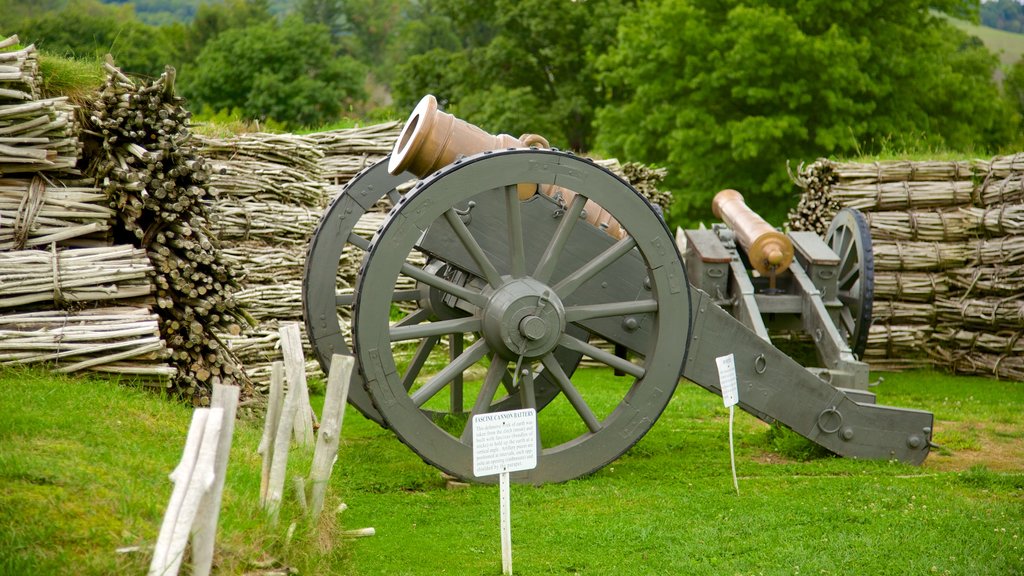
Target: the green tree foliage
pixel 288 71
pixel 90 29
pixel 724 92
pixel 510 65
pixel 1003 14
pixel 213 18
pixel 1013 85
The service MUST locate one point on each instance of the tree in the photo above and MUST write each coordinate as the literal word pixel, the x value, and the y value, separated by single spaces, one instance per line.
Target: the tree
pixel 213 18
pixel 725 92
pixel 290 72
pixel 90 29
pixel 518 66
pixel 1003 14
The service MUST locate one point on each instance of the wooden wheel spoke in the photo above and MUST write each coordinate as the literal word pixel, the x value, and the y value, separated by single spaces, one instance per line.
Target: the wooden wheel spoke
pixel 437 328
pixel 482 405
pixel 571 393
pixel 490 273
pixel 348 298
pixel 548 260
pixel 455 368
pixel 416 317
pixel 443 285
pixel 570 283
pixel 419 358
pixel 517 249
pixel 607 358
pixel 590 311
pixel 455 349
pixel 359 242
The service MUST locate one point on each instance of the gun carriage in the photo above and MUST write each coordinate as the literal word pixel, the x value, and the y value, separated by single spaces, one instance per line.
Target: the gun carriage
pixel 525 258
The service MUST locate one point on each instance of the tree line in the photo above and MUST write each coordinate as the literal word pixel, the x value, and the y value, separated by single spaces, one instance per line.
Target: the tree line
pixel 722 92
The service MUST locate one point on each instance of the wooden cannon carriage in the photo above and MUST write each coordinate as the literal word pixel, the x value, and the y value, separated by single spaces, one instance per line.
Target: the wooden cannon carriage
pixel 515 262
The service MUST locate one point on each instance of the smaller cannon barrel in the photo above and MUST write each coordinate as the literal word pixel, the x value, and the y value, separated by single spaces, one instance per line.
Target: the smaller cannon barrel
pixel 768 249
pixel 432 139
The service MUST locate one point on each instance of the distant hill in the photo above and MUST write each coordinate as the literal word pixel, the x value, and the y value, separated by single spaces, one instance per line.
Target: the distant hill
pixel 160 12
pixel 1008 45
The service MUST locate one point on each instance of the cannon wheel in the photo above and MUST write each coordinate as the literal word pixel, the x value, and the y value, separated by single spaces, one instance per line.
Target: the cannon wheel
pixel 321 301
pixel 524 306
pixel 849 236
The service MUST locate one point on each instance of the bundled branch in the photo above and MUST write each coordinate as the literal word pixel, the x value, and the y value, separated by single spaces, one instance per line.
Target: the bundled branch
pixel 910 255
pixel 646 180
pixel 912 286
pixel 347 152
pixel 873 196
pixel 117 340
pixel 816 208
pixel 278 301
pixel 994 280
pixel 904 313
pixel 954 337
pixel 897 170
pixel 154 177
pixel 261 263
pixel 1002 190
pixel 78 275
pixel 1009 366
pixel 1004 166
pixel 265 181
pixel 19 71
pixel 298 152
pixel 35 134
pixel 933 226
pixel 999 220
pixel 36 212
pixel 896 341
pixel 244 220
pixel 996 251
pixel 985 312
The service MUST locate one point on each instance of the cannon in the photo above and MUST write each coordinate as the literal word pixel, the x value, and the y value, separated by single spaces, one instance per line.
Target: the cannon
pixel 526 261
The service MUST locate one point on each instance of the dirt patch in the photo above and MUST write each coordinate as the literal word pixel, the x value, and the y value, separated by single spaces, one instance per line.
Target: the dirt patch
pixel 998 447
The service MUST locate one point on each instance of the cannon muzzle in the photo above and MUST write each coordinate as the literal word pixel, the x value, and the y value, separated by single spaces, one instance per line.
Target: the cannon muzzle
pixel 769 250
pixel 432 139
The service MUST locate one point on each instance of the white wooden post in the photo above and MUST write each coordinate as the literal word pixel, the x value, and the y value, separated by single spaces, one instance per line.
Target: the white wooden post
pixel 192 477
pixel 279 466
pixel 205 534
pixel 275 400
pixel 295 369
pixel 326 452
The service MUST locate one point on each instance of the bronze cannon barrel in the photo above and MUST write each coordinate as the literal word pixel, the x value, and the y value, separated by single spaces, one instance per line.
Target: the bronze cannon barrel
pixel 768 249
pixel 432 139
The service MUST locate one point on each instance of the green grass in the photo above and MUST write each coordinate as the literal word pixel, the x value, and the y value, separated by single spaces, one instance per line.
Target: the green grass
pixel 84 464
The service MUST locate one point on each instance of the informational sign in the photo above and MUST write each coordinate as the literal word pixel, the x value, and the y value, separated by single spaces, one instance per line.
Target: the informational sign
pixel 731 397
pixel 504 442
pixel 727 379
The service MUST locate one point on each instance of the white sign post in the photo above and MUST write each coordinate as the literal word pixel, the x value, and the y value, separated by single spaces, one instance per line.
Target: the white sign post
pixel 504 442
pixel 731 397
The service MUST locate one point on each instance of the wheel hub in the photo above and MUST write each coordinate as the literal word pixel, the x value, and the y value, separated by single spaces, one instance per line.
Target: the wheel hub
pixel 523 317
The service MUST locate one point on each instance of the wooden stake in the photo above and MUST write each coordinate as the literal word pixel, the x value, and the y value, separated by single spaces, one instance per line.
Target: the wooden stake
pixel 326 452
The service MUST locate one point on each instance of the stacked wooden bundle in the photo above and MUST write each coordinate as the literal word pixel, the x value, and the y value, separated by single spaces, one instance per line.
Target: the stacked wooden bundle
pixel 36 134
pixel 155 179
pixel 122 340
pixel 949 254
pixel 54 236
pixel 81 275
pixel 347 152
pixel 270 195
pixel 38 211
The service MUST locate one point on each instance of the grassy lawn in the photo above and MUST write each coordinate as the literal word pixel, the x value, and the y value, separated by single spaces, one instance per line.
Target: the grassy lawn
pixel 84 464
